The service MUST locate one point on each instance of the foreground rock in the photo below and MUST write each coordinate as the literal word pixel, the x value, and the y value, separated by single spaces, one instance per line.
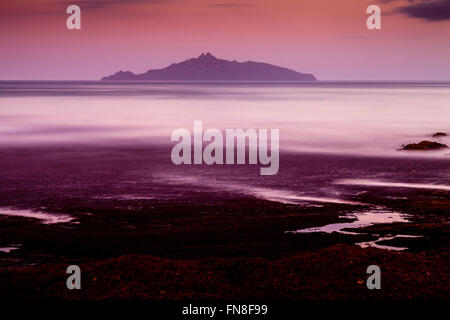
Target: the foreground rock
pixel 425 146
pixel 342 270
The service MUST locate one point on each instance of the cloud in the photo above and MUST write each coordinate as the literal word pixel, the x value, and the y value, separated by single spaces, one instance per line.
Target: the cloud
pixel 101 4
pixel 37 7
pixel 433 10
pixel 228 5
pixel 389 1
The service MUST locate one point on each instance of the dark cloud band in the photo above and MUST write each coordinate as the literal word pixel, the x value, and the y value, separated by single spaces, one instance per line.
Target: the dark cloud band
pixel 434 10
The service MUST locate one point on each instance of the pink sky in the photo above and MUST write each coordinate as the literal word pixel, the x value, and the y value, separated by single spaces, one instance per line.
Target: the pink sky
pixel 328 38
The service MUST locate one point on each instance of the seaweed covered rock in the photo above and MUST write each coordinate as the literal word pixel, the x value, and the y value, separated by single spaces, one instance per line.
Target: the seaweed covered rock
pixel 424 146
pixel 439 135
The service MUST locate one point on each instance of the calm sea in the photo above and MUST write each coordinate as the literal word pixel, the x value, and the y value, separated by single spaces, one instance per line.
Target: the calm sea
pixel 365 118
pixel 338 140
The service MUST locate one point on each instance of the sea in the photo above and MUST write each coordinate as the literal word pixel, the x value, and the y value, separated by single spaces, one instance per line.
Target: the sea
pixel 337 140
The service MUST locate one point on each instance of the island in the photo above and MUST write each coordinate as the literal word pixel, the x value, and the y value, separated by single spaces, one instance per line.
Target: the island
pixel 206 67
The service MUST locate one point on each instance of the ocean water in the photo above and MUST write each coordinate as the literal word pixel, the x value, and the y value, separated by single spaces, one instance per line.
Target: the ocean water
pixel 337 141
pixel 342 117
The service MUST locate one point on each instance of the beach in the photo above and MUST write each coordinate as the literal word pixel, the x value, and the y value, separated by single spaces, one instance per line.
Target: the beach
pixel 88 182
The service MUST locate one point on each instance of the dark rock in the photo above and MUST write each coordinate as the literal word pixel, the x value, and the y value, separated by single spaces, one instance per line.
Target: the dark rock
pixel 425 146
pixel 341 269
pixel 209 68
pixel 439 134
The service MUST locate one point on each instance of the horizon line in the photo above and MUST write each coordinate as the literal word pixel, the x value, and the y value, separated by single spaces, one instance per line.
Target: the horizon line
pixel 218 81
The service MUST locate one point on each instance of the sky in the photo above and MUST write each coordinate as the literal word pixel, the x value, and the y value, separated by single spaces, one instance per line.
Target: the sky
pixel 327 38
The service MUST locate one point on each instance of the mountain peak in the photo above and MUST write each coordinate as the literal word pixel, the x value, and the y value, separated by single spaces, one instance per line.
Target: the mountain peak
pixel 206 55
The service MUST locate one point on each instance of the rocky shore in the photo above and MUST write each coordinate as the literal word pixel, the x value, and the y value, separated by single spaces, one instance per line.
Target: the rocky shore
pixel 335 273
pixel 192 243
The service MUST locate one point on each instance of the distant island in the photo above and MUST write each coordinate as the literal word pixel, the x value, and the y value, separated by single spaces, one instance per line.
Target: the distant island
pixel 209 68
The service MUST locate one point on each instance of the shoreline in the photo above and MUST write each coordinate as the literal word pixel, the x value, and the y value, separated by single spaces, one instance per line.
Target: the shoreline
pixel 130 221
